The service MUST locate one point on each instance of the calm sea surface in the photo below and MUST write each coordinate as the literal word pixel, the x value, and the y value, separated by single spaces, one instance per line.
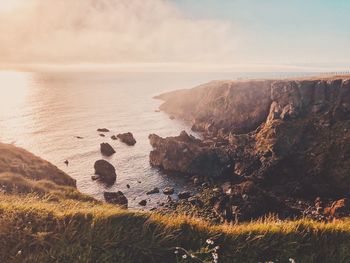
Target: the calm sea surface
pixel 44 112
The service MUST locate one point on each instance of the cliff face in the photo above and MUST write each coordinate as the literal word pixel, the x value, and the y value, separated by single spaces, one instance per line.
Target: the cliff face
pixel 290 135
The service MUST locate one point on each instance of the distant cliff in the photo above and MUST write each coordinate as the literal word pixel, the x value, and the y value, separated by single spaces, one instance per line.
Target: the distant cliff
pixel 291 135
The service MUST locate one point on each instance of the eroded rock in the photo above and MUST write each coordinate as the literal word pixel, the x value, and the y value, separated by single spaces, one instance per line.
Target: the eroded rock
pixel 105 171
pixel 127 138
pixel 107 149
pixel 117 198
pixel 188 155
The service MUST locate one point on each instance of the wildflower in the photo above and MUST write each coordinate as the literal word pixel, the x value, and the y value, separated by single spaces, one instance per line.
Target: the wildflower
pixel 210 242
pixel 184 256
pixel 176 251
pixel 217 248
pixel 291 260
pixel 19 252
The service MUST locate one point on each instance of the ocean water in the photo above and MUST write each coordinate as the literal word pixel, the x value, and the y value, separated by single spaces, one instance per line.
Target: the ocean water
pixel 43 112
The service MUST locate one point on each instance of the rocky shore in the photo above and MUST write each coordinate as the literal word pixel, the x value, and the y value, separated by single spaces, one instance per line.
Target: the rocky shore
pixel 269 146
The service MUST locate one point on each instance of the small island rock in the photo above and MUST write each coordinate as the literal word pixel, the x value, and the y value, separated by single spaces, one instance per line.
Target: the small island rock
pixel 106 171
pixel 127 138
pixel 117 198
pixel 107 149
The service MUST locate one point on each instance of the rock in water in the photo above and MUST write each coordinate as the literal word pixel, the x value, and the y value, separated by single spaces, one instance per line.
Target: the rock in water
pixel 106 171
pixel 188 155
pixel 168 190
pixel 102 130
pixel 153 191
pixel 143 203
pixel 107 149
pixel 114 138
pixel 127 138
pixel 117 198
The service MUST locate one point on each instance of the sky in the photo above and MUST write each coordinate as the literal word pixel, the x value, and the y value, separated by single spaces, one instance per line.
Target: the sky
pixel 242 34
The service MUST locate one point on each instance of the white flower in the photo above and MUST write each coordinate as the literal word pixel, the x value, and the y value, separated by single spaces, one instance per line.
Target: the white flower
pixel 210 242
pixel 184 256
pixel 291 260
pixel 176 252
pixel 19 252
pixel 217 248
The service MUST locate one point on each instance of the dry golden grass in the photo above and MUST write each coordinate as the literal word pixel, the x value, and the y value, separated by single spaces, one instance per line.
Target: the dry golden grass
pixel 35 229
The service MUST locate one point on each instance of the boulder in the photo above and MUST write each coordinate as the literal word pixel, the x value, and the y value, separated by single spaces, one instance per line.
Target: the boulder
pixel 107 149
pixel 143 203
pixel 127 138
pixel 117 198
pixel 168 190
pixel 102 130
pixel 188 155
pixel 184 195
pixel 153 191
pixel 106 171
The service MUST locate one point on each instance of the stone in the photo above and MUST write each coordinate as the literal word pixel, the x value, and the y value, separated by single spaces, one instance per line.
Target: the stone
pixel 114 138
pixel 95 177
pixel 107 149
pixel 188 155
pixel 127 138
pixel 106 171
pixel 117 198
pixel 168 190
pixel 184 195
pixel 102 130
pixel 153 191
pixel 143 203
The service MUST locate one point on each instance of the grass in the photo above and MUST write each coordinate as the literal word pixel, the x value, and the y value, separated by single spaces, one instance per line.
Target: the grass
pixel 35 229
pixel 43 218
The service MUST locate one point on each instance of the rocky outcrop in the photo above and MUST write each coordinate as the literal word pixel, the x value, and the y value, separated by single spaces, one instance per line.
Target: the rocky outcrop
pixel 107 149
pixel 292 137
pixel 105 171
pixel 127 138
pixel 188 155
pixel 117 198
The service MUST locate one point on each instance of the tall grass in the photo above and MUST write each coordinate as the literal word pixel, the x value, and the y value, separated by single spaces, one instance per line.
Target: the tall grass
pixel 34 229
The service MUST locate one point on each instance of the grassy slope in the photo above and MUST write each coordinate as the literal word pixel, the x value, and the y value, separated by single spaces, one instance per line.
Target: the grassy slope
pixel 76 231
pixel 43 218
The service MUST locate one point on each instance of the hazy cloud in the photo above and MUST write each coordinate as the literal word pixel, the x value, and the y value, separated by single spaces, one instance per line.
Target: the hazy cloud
pixel 113 31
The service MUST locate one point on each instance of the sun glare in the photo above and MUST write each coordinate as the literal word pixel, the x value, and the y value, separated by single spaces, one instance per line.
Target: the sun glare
pixel 14 89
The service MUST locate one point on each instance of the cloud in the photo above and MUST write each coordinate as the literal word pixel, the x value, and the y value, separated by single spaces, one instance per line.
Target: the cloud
pixel 111 31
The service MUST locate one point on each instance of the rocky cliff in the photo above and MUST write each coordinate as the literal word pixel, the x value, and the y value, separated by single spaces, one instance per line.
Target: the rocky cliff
pixel 290 136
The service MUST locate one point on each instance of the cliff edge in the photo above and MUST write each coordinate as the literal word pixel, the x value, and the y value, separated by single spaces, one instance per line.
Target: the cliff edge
pixel 291 136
